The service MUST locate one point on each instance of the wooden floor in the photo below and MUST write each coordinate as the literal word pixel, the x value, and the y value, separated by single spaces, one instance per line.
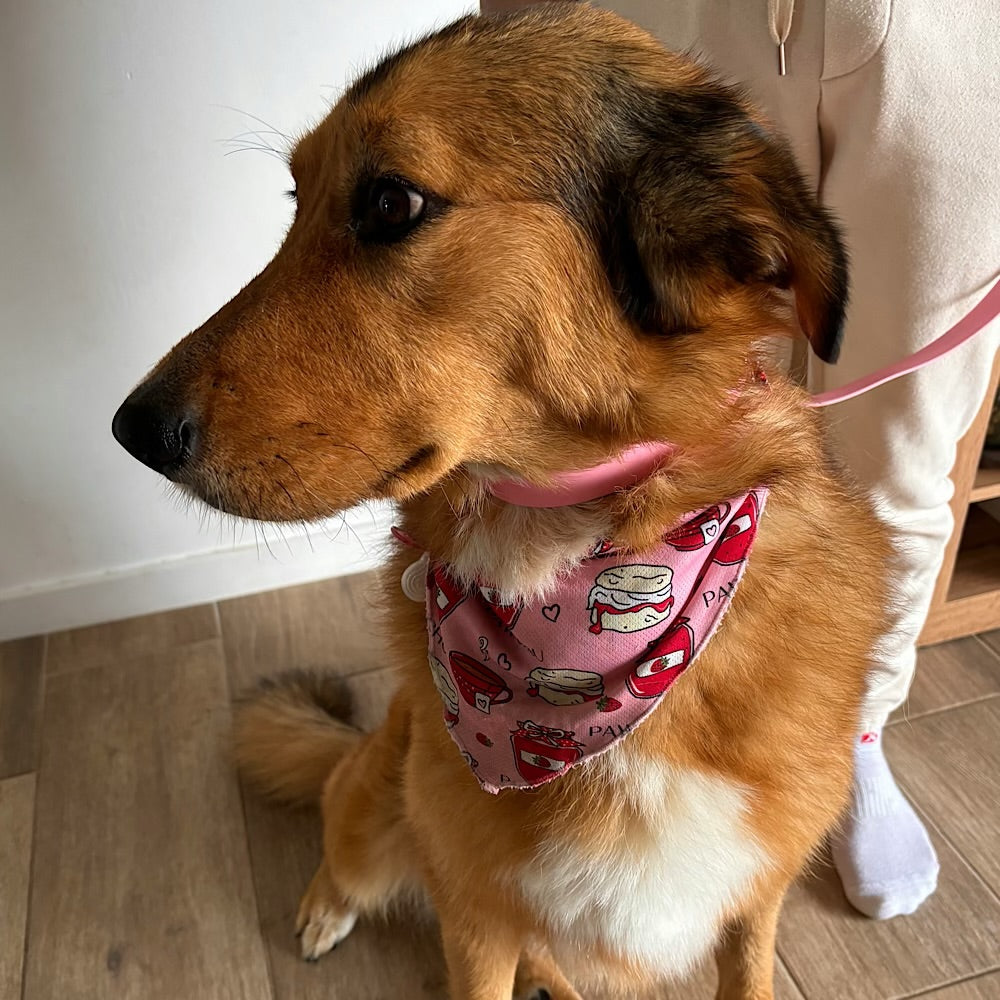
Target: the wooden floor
pixel 133 865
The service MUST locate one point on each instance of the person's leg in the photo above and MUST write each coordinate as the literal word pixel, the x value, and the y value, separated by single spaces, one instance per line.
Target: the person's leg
pixel 909 166
pixel 886 109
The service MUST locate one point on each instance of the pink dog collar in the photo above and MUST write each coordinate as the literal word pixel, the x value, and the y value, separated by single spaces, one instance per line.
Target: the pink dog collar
pixel 630 467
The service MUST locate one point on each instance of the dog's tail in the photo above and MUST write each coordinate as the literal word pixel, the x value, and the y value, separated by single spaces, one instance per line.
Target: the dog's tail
pixel 289 734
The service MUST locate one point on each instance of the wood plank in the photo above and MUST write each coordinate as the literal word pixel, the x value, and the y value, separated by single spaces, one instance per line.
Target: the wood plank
pixel 981 988
pixel 951 674
pixel 986 485
pixel 142 886
pixel 96 645
pixel 833 951
pixel 981 527
pixel 949 765
pixel 977 571
pixel 992 639
pixel 967 616
pixel 17 807
pixel 370 697
pixel 21 672
pixel 324 626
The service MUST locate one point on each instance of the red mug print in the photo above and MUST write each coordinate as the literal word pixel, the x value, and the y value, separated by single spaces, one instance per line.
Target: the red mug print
pixel 663 662
pixel 477 684
pixel 700 531
pixel 739 534
pixel 604 548
pixel 446 594
pixel 541 754
pixel 507 613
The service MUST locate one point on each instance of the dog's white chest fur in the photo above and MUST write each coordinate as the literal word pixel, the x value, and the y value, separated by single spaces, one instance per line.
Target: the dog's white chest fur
pixel 657 899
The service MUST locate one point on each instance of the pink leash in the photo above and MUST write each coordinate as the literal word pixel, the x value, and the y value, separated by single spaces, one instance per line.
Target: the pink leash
pixel 641 461
pixel 965 329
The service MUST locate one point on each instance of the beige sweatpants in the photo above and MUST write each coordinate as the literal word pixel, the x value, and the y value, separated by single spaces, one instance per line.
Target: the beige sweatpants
pixel 893 107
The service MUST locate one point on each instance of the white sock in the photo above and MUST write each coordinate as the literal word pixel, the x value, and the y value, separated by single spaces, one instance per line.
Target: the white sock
pixel 882 852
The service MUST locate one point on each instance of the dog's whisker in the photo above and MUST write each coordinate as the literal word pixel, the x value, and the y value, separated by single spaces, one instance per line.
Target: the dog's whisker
pixel 259 135
pixel 257 118
pixel 354 534
pixel 267 544
pixel 305 530
pixel 242 147
pixel 284 490
pixel 261 149
pixel 361 451
pixel 312 493
pixel 284 537
pixel 365 505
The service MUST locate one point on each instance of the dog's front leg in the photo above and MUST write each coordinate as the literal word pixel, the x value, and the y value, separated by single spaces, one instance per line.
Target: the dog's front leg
pixel 325 918
pixel 482 959
pixel 745 956
pixel 539 977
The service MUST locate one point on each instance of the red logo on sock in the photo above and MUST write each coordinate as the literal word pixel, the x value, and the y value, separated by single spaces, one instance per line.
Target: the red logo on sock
pixel 869 737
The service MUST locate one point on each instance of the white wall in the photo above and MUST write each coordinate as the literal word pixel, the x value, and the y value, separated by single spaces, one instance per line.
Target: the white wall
pixel 123 225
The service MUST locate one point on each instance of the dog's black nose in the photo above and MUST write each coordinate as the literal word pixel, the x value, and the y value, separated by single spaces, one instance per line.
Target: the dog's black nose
pixel 154 432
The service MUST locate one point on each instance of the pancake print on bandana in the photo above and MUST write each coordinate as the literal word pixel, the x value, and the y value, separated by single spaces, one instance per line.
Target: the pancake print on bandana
pixel 570 687
pixel 446 689
pixel 630 598
pixel 534 688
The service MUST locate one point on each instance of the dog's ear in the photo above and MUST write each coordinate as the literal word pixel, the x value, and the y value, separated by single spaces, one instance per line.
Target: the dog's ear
pixel 703 195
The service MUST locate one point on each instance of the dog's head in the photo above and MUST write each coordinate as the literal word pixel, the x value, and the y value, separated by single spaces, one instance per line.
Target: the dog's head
pixel 522 243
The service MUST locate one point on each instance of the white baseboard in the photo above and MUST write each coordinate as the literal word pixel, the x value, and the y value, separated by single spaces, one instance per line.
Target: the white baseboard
pixel 360 544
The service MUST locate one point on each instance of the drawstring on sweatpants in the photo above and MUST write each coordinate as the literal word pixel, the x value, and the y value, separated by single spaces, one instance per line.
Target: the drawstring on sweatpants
pixel 779 20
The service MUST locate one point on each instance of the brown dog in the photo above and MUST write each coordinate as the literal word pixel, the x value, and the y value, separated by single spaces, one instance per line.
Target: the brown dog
pixel 522 245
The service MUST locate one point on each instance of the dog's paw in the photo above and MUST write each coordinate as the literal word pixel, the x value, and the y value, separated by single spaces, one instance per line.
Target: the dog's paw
pixel 324 919
pixel 323 930
pixel 539 978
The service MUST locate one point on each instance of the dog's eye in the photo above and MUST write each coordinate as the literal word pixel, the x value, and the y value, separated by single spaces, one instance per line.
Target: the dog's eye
pixel 392 209
pixel 292 194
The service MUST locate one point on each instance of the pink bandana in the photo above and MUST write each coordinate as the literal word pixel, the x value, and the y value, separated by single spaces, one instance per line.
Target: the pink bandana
pixel 529 690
